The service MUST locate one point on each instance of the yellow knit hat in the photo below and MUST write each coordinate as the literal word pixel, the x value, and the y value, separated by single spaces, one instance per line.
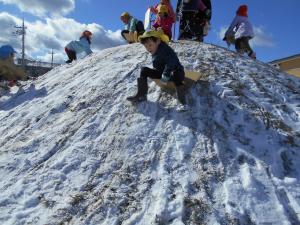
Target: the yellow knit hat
pixel 125 15
pixel 162 9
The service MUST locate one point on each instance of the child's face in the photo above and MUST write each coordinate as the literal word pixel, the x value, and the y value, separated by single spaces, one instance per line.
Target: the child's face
pixel 151 46
pixel 125 20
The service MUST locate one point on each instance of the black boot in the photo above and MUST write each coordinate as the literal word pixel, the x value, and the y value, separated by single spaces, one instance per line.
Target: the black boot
pixel 141 94
pixel 181 94
pixel 181 98
pixel 71 55
pixel 69 61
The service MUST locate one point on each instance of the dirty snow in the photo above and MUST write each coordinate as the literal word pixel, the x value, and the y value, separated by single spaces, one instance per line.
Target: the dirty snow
pixel 74 151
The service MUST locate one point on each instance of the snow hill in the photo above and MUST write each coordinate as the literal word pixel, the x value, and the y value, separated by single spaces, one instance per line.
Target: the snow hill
pixel 74 151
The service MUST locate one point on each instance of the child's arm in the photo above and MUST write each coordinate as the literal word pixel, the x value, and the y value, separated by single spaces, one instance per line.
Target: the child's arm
pixel 171 63
pixel 156 24
pixel 230 29
pixel 168 23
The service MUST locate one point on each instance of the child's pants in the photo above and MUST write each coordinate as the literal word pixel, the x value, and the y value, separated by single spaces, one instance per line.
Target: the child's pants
pixel 191 26
pixel 71 54
pixel 177 77
pixel 242 44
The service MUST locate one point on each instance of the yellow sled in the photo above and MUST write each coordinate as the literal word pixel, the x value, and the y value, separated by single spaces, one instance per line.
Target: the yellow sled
pixel 190 78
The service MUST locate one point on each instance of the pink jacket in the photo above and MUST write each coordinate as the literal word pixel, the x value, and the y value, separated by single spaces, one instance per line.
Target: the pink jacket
pixel 170 10
pixel 165 24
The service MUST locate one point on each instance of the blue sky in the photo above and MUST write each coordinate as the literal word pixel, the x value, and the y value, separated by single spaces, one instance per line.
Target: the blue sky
pixel 276 22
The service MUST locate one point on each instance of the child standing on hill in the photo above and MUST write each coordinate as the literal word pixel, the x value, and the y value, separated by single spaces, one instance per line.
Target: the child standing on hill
pixel 76 47
pixel 167 3
pixel 166 68
pixel 164 21
pixel 240 31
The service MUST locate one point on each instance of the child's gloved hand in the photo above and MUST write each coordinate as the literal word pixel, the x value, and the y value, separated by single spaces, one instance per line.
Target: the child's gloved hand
pixel 165 79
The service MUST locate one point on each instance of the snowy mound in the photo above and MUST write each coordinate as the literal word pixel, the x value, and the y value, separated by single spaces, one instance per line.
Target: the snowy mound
pixel 74 151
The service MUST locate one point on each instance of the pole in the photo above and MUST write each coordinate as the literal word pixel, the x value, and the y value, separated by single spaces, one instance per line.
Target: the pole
pixel 179 16
pixel 23 44
pixel 174 29
pixel 52 60
pixel 21 30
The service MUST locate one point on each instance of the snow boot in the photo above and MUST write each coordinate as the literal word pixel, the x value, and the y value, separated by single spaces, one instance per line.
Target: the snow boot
pixel 252 55
pixel 141 94
pixel 71 55
pixel 181 98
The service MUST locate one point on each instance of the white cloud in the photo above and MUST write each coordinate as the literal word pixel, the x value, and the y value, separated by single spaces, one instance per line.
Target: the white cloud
pixel 54 33
pixel 44 7
pixel 261 39
pixel 221 33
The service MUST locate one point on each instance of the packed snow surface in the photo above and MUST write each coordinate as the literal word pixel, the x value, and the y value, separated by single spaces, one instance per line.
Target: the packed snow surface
pixel 74 151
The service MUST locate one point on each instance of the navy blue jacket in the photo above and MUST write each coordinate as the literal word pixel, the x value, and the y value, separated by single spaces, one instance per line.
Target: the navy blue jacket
pixel 165 60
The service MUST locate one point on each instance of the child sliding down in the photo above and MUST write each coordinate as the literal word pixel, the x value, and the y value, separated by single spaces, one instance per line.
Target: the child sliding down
pixel 166 68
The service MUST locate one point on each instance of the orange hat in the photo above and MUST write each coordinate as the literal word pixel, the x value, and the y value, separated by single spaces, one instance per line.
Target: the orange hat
pixel 242 11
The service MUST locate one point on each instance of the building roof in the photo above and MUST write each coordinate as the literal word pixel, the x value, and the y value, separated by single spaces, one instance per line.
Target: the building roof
pixel 285 59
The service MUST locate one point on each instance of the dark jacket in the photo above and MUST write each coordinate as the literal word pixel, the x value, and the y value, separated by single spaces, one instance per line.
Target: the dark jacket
pixel 192 5
pixel 197 6
pixel 165 60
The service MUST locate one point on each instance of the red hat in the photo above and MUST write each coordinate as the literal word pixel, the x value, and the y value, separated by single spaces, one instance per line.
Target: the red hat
pixel 242 11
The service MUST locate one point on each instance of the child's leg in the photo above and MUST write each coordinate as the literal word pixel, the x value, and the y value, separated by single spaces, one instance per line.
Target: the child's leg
pixel 140 28
pixel 129 37
pixel 123 32
pixel 197 27
pixel 242 45
pixel 239 45
pixel 71 54
pixel 185 26
pixel 151 73
pixel 178 78
pixel 247 47
pixel 141 94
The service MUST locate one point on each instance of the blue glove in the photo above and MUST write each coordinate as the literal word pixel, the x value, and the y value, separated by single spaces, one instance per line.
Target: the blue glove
pixel 164 79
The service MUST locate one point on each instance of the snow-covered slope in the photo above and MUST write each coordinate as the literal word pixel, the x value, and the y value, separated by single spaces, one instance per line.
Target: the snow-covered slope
pixel 74 151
